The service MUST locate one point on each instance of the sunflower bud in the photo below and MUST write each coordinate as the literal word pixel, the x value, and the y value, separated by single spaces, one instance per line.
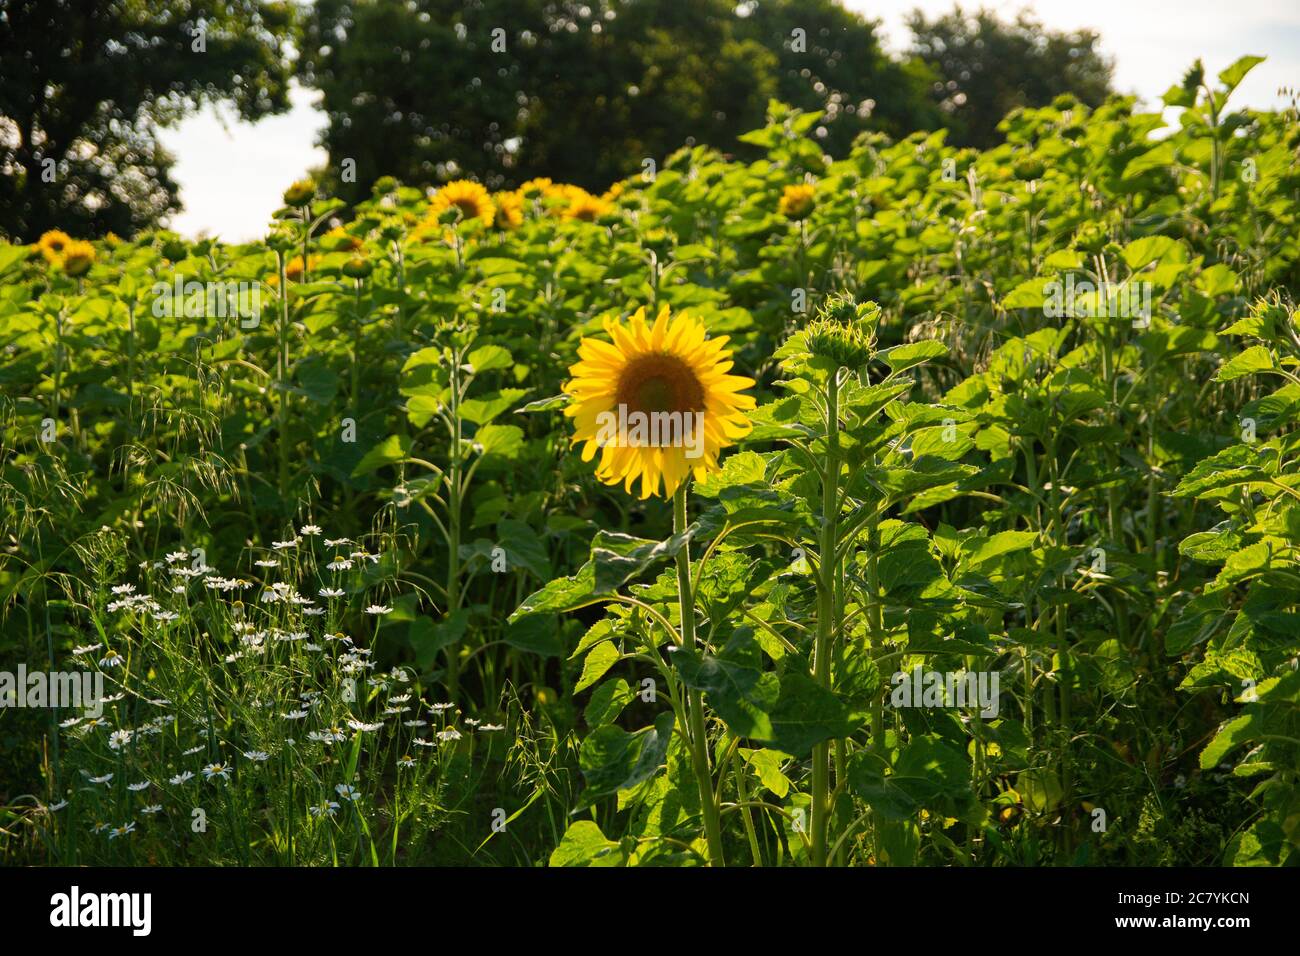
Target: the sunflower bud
pixel 300 193
pixel 848 346
pixel 174 250
pixel 384 185
pixel 1028 169
pixel 358 267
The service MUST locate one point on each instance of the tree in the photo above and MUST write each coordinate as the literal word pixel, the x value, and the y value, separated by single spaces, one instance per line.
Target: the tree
pixel 583 90
pixel 984 67
pixel 836 65
pixel 87 84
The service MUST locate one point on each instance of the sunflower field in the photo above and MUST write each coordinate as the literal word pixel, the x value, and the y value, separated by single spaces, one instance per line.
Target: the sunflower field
pixel 916 506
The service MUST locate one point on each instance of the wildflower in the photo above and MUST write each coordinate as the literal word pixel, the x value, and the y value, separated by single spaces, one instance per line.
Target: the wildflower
pixel 182 778
pixel 152 808
pixel 193 750
pixel 56 807
pixel 216 770
pixel 379 609
pixel 257 756
pixel 407 762
pixel 119 739
pixel 797 201
pixel 104 779
pixel 123 589
pixel 267 563
pixel 491 728
pixel 331 592
pixel 282 545
pixel 324 808
pixel 137 787
pixel 669 367
pixel 337 542
pixel 309 530
pixel 449 735
pixel 124 830
pixel 347 792
pixel 362 727
pixel 469 197
pixel 86 649
pixel 339 564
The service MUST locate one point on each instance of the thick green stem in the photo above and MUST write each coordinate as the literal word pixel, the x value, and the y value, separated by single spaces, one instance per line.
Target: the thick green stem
pixel 453 527
pixel 827 572
pixel 695 700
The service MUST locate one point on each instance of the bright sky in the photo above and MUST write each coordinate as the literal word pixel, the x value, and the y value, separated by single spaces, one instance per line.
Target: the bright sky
pixel 232 174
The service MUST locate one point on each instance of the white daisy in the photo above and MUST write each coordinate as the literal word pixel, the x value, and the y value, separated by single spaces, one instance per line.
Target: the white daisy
pixel 123 830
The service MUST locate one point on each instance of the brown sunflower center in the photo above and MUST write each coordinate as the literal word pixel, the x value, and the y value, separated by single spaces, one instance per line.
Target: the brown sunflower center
pixel 468 206
pixel 660 383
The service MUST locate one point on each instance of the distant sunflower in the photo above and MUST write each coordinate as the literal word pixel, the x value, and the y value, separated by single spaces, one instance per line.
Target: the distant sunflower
pixel 77 257
pixel 469 197
pixel 797 201
pixel 539 186
pixel 583 205
pixel 52 245
pixel 510 209
pixel 670 367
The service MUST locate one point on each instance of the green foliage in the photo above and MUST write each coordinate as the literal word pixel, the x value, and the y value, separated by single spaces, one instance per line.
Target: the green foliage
pixel 1062 453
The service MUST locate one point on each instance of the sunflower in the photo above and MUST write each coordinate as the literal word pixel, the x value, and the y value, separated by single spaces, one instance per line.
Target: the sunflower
pixel 469 197
pixel 77 257
pixel 626 393
pixel 510 209
pixel 539 186
pixel 52 245
pixel 583 205
pixel 796 201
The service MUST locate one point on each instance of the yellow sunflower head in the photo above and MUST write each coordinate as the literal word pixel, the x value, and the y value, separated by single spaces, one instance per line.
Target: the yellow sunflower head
pixel 510 209
pixel 656 402
pixel 539 186
pixel 78 257
pixel 469 197
pixel 52 245
pixel 583 205
pixel 797 201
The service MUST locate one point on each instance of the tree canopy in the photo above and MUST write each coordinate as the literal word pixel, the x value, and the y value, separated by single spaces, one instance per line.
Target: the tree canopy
pixel 87 83
pixel 984 67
